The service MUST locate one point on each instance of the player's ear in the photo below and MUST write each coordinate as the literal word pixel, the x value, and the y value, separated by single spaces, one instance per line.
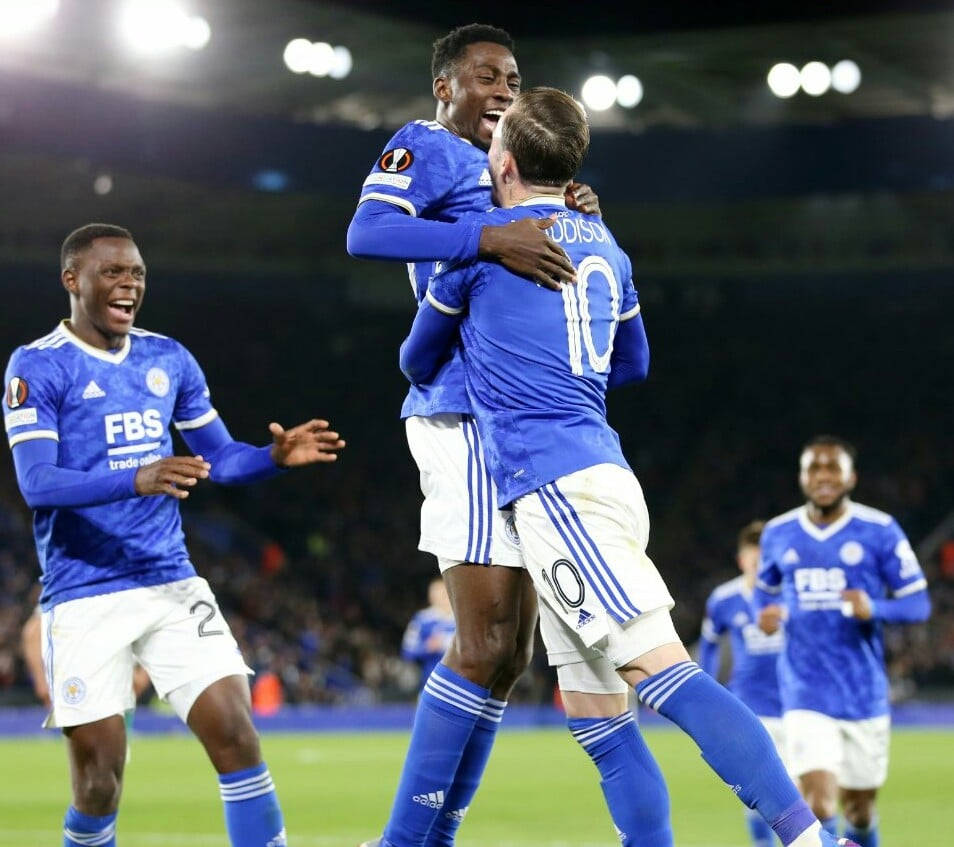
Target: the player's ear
pixel 69 280
pixel 508 167
pixel 442 89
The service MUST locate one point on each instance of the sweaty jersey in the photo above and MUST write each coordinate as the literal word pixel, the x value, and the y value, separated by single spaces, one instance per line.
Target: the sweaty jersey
pixel 430 172
pixel 832 663
pixel 423 627
pixel 754 679
pixel 110 412
pixel 538 361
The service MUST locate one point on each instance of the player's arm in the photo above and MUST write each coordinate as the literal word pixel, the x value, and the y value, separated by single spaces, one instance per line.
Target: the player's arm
pixel 910 608
pixel 235 462
pixel 31 647
pixel 769 612
pixel 583 198
pixel 709 643
pixel 433 332
pixel 630 359
pixel 412 644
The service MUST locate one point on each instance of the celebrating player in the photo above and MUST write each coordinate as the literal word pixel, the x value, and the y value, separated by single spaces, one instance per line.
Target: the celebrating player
pixel 410 210
pixel 537 369
pixel 754 654
pixel 833 564
pixel 87 410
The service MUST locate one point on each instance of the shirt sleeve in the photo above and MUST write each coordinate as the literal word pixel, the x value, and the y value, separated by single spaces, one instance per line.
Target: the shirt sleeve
pixel 899 566
pixel 768 582
pixel 193 407
pixel 629 307
pixel 448 291
pixel 30 399
pixel 415 171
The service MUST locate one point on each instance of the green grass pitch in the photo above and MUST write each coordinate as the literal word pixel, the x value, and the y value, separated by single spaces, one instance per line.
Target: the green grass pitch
pixel 540 791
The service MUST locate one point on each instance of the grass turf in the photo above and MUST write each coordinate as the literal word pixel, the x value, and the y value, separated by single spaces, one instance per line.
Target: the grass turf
pixel 540 791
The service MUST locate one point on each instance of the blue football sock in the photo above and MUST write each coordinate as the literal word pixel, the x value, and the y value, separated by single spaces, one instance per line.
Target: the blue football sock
pixel 253 817
pixel 760 832
pixel 447 711
pixel 81 830
pixel 830 824
pixel 632 783
pixel 467 779
pixel 733 742
pixel 869 837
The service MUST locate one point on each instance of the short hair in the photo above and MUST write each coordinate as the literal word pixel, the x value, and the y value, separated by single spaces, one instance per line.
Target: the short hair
pixel 546 131
pixel 82 239
pixel 449 49
pixel 750 534
pixel 831 441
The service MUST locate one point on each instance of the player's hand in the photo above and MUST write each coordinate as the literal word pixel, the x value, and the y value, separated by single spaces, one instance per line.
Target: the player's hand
pixel 304 444
pixel 582 198
pixel 856 604
pixel 771 618
pixel 523 247
pixel 173 476
pixel 42 692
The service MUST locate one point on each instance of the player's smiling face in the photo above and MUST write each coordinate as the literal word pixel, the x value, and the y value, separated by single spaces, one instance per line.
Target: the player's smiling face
pixel 482 86
pixel 827 476
pixel 107 283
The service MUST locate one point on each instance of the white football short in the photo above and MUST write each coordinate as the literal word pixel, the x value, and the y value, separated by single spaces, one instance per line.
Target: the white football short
pixel 175 631
pixel 460 521
pixel 776 731
pixel 584 543
pixel 855 751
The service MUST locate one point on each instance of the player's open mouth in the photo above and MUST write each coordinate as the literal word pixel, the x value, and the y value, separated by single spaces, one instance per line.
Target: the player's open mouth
pixel 122 309
pixel 491 117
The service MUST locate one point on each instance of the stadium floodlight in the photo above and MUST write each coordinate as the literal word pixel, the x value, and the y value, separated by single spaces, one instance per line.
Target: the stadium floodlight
pixel 297 55
pixel 103 184
pixel 322 59
pixel 18 18
pixel 342 64
pixel 158 26
pixel 815 78
pixel 599 92
pixel 784 80
pixel 629 91
pixel 845 77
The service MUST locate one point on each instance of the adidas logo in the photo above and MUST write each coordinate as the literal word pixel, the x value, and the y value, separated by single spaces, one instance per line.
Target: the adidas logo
pixel 584 618
pixel 457 814
pixel 433 799
pixel 791 557
pixel 484 178
pixel 92 391
pixel 280 840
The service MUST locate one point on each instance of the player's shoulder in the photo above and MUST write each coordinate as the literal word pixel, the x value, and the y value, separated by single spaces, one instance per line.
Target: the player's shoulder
pixel 783 520
pixel 155 342
pixel 727 590
pixel 422 134
pixel 41 350
pixel 870 515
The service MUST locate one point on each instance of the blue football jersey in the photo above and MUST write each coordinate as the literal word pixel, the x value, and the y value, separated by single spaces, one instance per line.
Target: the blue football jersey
pixel 832 663
pixel 423 627
pixel 537 361
pixel 108 411
pixel 754 679
pixel 431 173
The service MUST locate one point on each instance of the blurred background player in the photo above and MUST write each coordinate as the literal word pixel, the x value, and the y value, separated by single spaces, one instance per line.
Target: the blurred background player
pixel 754 654
pixel 88 410
pixel 538 367
pixel 430 631
pixel 430 174
pixel 836 571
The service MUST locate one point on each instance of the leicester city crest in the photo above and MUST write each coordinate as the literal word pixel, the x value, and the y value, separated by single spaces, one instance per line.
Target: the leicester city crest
pixel 74 690
pixel 157 381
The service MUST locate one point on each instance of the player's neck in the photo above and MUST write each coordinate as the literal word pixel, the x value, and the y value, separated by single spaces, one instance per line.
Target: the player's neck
pixel 520 192
pixel 90 335
pixel 824 515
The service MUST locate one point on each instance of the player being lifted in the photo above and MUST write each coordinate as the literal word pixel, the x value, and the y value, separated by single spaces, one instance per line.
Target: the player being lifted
pixel 410 210
pixel 836 572
pixel 754 654
pixel 88 410
pixel 537 368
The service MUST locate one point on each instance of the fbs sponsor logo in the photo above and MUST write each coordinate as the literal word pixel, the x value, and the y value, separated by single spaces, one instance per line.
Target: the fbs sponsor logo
pixel 433 799
pixel 17 392
pixel 92 391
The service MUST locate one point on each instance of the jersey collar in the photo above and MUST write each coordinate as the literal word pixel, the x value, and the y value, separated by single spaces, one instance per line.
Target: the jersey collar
pixel 113 357
pixel 544 200
pixel 823 533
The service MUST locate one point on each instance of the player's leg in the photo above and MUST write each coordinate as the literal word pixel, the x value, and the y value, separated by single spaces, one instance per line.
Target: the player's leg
pixel 476 753
pixel 864 770
pixel 194 663
pixel 88 662
pixel 759 831
pixel 814 747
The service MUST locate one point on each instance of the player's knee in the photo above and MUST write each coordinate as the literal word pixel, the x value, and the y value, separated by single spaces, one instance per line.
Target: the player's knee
pixel 97 791
pixel 822 805
pixel 490 652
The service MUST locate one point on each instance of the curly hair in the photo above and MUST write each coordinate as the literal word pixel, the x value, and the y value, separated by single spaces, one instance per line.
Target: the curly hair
pixel 449 49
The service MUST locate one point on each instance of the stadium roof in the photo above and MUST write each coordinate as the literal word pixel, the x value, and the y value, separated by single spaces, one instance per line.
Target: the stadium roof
pixel 700 65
